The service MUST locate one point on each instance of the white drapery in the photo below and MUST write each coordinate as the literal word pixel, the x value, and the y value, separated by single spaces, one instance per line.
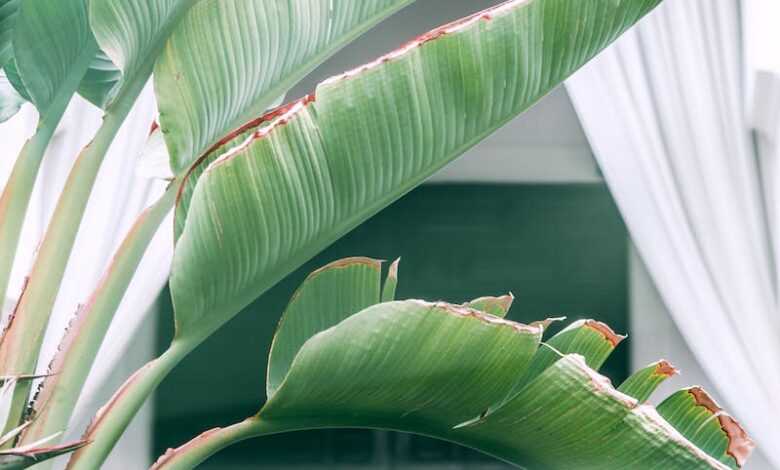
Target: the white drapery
pixel 119 195
pixel 666 113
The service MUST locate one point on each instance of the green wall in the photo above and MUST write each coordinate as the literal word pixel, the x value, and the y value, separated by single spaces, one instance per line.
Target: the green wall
pixel 561 249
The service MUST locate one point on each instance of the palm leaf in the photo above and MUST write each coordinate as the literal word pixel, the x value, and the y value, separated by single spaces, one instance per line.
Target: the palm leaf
pixel 362 275
pixel 10 100
pixel 302 176
pixel 643 382
pixel 249 52
pixel 52 48
pixel 697 417
pixel 100 80
pixel 463 375
pixel 8 9
pixel 497 306
pixel 132 33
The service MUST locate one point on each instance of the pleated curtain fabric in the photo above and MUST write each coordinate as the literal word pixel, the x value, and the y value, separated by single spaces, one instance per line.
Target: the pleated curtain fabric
pixel 667 113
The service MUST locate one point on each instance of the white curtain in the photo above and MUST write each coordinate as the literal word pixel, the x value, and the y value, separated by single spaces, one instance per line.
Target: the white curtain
pixel 666 113
pixel 118 197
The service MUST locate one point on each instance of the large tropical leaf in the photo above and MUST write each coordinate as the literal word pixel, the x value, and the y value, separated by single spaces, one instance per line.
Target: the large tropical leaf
pixel 696 415
pixel 644 382
pixel 361 275
pixel 52 49
pixel 466 376
pixel 100 80
pixel 304 175
pixel 10 100
pixel 431 382
pixel 12 75
pixel 8 9
pixel 132 33
pixel 247 53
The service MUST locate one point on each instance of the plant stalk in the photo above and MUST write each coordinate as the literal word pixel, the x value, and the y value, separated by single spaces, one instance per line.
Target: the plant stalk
pixel 17 193
pixel 113 418
pixel 22 341
pixel 18 190
pixel 210 442
pixel 71 366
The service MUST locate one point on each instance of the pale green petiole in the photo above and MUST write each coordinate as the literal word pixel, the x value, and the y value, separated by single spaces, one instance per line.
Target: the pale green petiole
pixel 113 418
pixel 195 452
pixel 22 341
pixel 17 192
pixel 70 368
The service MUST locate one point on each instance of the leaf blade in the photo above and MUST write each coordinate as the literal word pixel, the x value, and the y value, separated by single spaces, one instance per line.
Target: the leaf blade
pixel 132 33
pixel 433 343
pixel 100 80
pixel 697 417
pixel 52 47
pixel 322 165
pixel 255 50
pixel 10 100
pixel 391 282
pixel 326 297
pixel 8 10
pixel 388 367
pixel 498 306
pixel 642 383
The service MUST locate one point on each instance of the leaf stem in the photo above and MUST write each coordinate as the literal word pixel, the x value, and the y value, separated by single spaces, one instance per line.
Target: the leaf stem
pixel 22 341
pixel 73 362
pixel 113 418
pixel 18 191
pixel 199 449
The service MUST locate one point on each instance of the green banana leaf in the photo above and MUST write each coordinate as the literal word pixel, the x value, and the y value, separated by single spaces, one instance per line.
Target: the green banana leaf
pixel 463 375
pixel 101 74
pixel 52 48
pixel 391 282
pixel 132 34
pixel 497 306
pixel 302 176
pixel 644 382
pixel 249 52
pixel 100 80
pixel 363 277
pixel 12 75
pixel 8 9
pixel 10 100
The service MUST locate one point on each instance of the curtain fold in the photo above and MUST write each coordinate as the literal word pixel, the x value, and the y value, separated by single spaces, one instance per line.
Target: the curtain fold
pixel 665 111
